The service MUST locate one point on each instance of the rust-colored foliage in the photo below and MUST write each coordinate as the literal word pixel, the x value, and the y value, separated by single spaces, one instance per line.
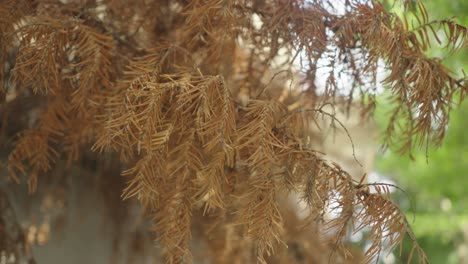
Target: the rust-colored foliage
pixel 192 97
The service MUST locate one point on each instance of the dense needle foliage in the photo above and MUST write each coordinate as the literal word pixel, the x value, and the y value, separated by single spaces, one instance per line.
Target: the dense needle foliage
pixel 210 108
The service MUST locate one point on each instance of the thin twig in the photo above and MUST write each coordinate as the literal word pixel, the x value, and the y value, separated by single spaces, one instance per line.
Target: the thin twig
pixel 334 119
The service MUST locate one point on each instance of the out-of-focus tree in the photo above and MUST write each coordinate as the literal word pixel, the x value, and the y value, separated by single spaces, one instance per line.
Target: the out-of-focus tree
pixel 435 180
pixel 436 189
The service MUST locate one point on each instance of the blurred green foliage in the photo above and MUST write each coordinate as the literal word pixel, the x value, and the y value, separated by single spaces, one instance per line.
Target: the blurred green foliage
pixel 436 180
pixel 437 188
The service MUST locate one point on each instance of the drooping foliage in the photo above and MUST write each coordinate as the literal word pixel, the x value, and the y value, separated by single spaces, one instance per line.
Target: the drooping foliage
pixel 191 98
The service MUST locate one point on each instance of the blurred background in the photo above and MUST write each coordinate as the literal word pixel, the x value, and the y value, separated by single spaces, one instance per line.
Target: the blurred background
pixel 436 182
